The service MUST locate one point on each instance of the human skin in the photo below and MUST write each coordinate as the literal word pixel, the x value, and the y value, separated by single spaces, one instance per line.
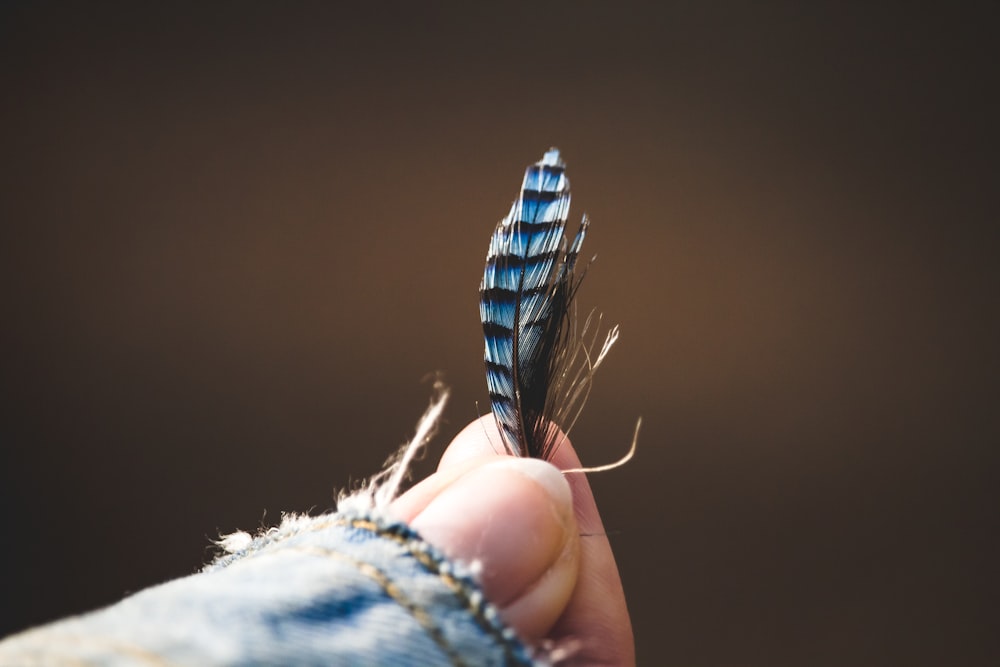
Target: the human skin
pixel 537 538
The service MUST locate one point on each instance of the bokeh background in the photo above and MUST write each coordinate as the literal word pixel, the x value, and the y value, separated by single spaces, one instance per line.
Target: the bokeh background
pixel 236 237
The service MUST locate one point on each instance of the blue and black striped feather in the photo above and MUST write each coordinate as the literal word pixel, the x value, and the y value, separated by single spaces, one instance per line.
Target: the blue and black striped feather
pixel 525 305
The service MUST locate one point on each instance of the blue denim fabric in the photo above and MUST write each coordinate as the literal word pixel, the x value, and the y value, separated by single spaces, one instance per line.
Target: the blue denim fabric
pixel 338 589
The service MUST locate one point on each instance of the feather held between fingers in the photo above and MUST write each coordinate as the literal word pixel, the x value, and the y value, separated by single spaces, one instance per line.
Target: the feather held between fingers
pixel 539 362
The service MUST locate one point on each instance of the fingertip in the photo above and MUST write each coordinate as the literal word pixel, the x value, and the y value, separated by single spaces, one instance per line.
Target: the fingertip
pixel 478 439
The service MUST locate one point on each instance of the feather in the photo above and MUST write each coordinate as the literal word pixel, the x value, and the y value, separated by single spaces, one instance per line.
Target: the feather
pixel 538 366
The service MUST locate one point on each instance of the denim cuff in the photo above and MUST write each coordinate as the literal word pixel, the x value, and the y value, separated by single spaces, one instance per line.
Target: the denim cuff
pixel 350 588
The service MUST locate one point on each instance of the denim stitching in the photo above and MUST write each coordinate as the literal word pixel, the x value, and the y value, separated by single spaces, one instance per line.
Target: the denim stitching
pixel 484 613
pixel 422 616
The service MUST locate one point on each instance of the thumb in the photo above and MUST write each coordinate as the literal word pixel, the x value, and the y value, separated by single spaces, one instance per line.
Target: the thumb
pixel 595 624
pixel 514 518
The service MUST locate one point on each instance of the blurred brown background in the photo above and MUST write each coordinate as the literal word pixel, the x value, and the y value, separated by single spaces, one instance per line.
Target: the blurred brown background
pixel 236 238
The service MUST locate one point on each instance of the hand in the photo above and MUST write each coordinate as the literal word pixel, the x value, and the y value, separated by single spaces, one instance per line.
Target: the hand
pixel 538 539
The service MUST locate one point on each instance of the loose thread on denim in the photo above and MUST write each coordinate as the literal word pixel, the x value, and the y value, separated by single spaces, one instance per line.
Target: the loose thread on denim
pixel 292 524
pixel 399 469
pixel 378 492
